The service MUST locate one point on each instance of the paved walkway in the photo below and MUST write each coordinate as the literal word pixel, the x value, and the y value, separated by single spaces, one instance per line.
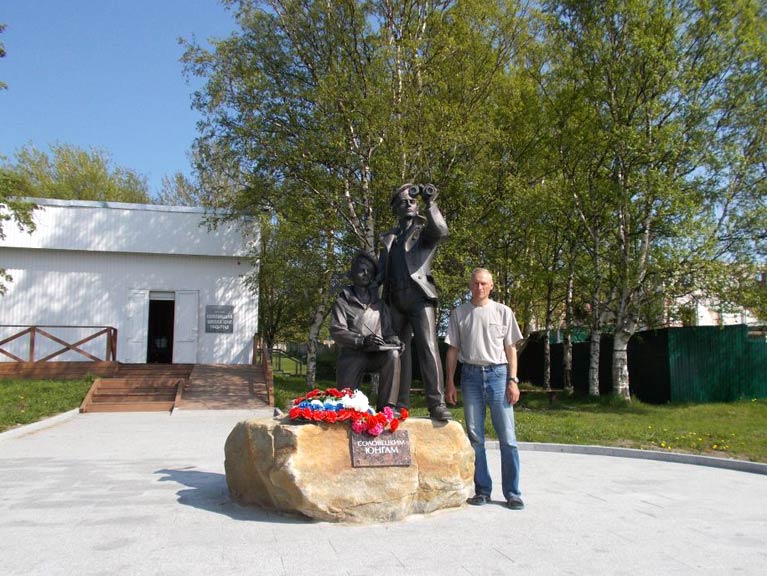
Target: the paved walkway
pixel 145 493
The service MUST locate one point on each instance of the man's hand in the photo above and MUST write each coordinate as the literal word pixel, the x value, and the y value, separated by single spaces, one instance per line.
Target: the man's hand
pixel 429 193
pixel 372 340
pixel 512 392
pixel 396 341
pixel 451 394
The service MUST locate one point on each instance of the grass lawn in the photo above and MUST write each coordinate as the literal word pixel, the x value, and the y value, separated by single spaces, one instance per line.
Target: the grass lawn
pixel 728 430
pixel 26 401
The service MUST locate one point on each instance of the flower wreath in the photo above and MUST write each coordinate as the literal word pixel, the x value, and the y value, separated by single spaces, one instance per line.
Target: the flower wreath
pixel 333 405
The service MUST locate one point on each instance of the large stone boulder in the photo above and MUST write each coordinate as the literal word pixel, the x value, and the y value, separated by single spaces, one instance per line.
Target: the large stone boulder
pixel 306 468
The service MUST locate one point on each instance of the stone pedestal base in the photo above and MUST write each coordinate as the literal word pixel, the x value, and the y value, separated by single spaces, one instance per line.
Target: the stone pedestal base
pixel 306 468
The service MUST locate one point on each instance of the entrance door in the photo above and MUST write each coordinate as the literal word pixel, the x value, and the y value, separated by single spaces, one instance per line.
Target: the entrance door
pixel 138 311
pixel 160 338
pixel 185 327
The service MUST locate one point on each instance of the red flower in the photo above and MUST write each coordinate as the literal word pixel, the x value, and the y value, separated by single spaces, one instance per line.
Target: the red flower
pixel 294 413
pixel 331 416
pixel 298 400
pixel 344 414
pixel 306 413
pixel 318 415
pixel 394 425
pixel 313 393
pixel 403 414
pixel 335 393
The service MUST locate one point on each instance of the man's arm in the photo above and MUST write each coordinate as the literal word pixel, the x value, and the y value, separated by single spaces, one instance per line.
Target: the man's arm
pixel 512 389
pixel 340 331
pixel 451 361
pixel 436 227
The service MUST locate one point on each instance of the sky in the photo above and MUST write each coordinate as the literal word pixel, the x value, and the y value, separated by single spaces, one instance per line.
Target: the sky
pixel 104 74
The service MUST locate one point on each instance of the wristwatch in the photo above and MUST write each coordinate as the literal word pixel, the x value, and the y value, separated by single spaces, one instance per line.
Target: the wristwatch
pixel 514 379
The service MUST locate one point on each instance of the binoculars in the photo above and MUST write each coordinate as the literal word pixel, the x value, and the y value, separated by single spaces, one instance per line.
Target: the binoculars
pixel 425 190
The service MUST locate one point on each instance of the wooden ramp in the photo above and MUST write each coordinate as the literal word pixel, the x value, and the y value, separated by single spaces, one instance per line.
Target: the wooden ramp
pixel 224 387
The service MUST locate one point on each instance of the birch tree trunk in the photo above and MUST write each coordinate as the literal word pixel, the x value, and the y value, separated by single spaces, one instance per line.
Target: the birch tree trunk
pixel 620 367
pixel 594 350
pixel 567 352
pixel 547 359
pixel 311 345
pixel 547 340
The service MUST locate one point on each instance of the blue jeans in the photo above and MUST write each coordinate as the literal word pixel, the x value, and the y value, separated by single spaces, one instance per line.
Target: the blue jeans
pixel 483 386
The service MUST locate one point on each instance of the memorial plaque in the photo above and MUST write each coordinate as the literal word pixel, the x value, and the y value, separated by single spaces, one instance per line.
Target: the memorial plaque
pixel 387 449
pixel 219 319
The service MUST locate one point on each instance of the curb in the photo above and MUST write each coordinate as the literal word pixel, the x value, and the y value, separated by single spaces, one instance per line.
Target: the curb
pixel 39 425
pixel 726 463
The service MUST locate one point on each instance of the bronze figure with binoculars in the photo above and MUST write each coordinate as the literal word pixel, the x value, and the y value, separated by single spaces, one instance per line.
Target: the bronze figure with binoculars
pixel 404 272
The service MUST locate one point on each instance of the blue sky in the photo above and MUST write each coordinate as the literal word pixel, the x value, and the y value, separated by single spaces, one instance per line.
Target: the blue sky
pixel 104 74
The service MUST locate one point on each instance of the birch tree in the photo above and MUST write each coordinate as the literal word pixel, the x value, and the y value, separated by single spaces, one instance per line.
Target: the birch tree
pixel 319 109
pixel 663 86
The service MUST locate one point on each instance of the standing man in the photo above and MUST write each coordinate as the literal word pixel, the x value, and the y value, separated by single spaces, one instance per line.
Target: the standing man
pixel 481 334
pixel 361 326
pixel 409 290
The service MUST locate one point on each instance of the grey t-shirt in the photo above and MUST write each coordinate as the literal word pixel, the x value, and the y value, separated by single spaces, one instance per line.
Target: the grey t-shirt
pixel 481 333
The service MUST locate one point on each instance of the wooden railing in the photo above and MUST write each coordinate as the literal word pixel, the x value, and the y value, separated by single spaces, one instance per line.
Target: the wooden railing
pixel 33 333
pixel 286 364
pixel 261 356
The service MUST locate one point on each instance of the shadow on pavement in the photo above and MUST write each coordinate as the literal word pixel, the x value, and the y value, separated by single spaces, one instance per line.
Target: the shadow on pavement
pixel 208 491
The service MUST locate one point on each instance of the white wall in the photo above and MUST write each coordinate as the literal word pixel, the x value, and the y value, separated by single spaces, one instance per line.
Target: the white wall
pixel 86 288
pixel 66 286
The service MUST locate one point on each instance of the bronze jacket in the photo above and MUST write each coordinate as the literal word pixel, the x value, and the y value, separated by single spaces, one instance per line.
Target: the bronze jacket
pixel 421 244
pixel 351 321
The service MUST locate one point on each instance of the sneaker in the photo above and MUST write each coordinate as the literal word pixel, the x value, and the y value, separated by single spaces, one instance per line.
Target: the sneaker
pixel 479 500
pixel 440 413
pixel 514 502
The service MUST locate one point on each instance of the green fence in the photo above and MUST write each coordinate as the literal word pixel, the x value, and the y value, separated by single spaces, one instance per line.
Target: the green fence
pixel 717 364
pixel 689 364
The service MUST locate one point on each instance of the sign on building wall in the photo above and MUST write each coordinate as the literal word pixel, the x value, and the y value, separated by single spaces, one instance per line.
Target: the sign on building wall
pixel 219 319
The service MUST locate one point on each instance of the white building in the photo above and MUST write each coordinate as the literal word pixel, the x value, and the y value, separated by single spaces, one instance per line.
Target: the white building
pixel 700 310
pixel 172 288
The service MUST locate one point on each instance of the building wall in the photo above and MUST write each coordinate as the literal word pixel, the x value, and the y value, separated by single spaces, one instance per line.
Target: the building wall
pixel 67 288
pixel 66 274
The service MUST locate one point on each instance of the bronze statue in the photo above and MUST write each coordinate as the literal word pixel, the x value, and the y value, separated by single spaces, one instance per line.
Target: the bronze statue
pixel 404 271
pixel 361 326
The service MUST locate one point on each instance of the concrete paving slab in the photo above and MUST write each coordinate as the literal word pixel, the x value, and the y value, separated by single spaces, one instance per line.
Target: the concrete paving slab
pixel 145 493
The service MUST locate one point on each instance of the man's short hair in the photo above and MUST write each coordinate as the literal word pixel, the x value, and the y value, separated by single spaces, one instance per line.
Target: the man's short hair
pixel 482 270
pixel 367 258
